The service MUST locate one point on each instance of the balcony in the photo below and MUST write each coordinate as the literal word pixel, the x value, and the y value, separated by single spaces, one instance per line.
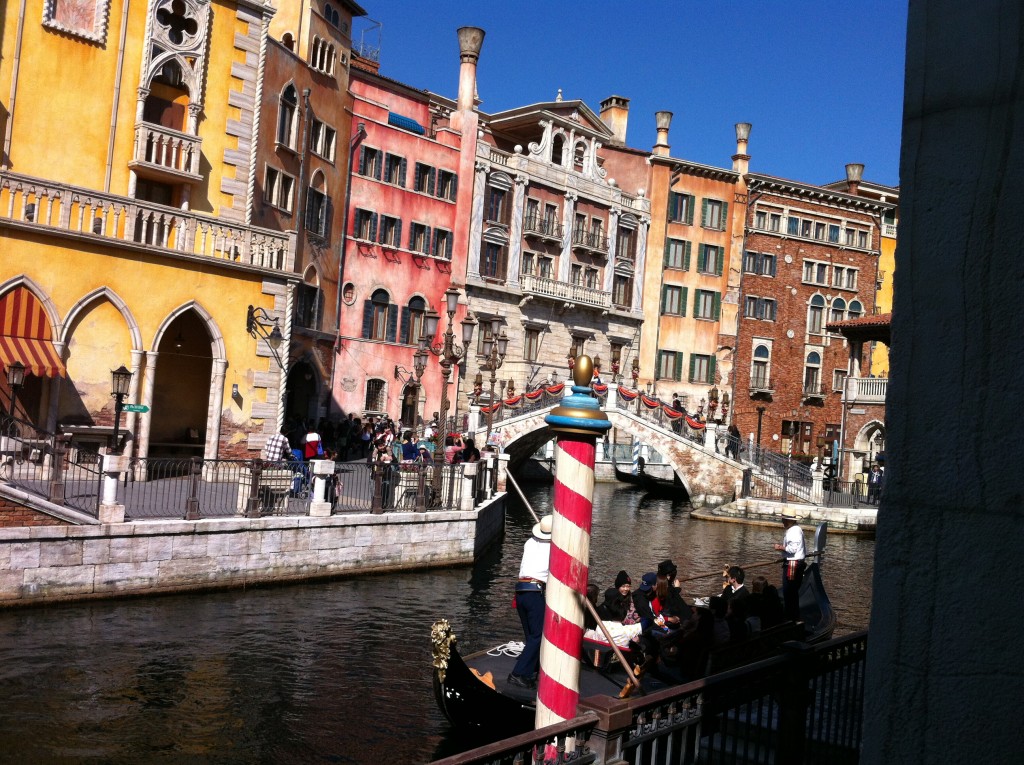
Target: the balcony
pixel 543 228
pixel 889 230
pixel 166 155
pixel 866 390
pixel 813 390
pixel 63 210
pixel 592 241
pixel 568 293
pixel 760 384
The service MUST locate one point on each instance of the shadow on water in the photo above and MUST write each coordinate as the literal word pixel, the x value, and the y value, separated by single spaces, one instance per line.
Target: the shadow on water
pixel 329 672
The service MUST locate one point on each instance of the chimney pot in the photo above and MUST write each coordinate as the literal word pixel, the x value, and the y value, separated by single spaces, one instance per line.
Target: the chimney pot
pixel 742 131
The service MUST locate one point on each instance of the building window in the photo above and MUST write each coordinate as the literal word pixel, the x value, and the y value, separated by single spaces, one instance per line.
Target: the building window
pixel 576 274
pixel 793 226
pixel 812 374
pixel 412 320
pixel 545 267
pixel 622 291
pixel 714 214
pixel 759 368
pixel 833 233
pixel 677 254
pixel 577 346
pixel 709 259
pixel 322 56
pixel 702 368
pixel 286 117
pixel 844 277
pixel 442 244
pixel 394 170
pixel 819 230
pixel 815 273
pixel 374 396
pixel 806 227
pixel 862 239
pixel 856 309
pixel 670 366
pixel 531 344
pixel 759 263
pixel 379 320
pixel 419 238
pixel 364 225
pixel 761 220
pixel 277 189
pixel 309 306
pixel 839 379
pixel 371 162
pixel 625 245
pixel 775 222
pixel 673 300
pixel 496 211
pixel 492 264
pixel 815 314
pixel 447 185
pixel 322 140
pixel 529 264
pixel 837 311
pixel 706 304
pixel 390 231
pixel 680 208
pixel 759 308
pixel 318 208
pixel 424 178
pixel 590 278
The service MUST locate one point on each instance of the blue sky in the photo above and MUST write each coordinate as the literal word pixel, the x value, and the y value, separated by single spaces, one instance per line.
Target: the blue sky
pixel 821 82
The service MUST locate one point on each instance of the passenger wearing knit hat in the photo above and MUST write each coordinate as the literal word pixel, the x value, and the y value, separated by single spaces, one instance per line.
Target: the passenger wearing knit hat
pixel 667 569
pixel 617 600
pixel 621 579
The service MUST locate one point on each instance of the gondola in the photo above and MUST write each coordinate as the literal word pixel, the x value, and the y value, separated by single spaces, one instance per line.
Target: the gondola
pixel 664 487
pixel 472 691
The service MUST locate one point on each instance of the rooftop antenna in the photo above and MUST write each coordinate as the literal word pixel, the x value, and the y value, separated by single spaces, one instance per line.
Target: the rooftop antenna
pixel 369 39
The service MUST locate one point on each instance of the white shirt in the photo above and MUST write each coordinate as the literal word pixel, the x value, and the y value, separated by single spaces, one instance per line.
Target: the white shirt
pixel 536 555
pixel 793 543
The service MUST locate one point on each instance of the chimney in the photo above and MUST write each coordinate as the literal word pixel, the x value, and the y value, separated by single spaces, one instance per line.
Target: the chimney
pixel 741 160
pixel 615 114
pixel 471 39
pixel 662 120
pixel 854 173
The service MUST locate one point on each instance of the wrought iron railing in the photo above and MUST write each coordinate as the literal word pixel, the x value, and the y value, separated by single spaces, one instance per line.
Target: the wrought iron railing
pixel 592 240
pixel 536 224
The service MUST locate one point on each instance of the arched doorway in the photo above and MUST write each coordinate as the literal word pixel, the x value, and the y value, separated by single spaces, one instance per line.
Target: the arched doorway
pixel 181 389
pixel 410 406
pixel 301 404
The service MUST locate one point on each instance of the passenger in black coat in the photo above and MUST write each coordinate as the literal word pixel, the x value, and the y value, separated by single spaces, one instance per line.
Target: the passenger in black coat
pixel 617 599
pixel 764 603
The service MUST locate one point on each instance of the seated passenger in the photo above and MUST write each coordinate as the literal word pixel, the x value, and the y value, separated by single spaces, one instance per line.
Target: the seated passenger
pixel 764 603
pixel 736 618
pixel 721 633
pixel 683 655
pixel 734 585
pixel 674 608
pixel 617 600
pixel 643 601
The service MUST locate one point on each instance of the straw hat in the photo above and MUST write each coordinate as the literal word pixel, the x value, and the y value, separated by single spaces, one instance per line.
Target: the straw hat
pixel 788 514
pixel 542 529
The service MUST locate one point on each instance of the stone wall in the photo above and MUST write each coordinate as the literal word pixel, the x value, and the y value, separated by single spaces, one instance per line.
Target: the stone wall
pixel 14 514
pixel 41 564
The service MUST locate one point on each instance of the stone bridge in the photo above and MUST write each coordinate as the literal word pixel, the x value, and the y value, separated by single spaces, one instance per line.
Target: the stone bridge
pixel 709 477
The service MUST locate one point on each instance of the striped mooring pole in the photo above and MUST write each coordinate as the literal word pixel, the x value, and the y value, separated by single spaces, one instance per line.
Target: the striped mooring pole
pixel 577 423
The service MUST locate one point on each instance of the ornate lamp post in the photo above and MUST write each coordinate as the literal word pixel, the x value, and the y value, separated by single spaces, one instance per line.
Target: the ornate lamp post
pixel 15 378
pixel 448 354
pixel 725 406
pixel 636 370
pixel 494 349
pixel 121 380
pixel 257 322
pixel 597 369
pixel 712 401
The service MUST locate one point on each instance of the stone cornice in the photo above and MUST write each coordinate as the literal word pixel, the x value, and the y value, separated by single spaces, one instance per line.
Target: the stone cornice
pixel 770 184
pixel 685 167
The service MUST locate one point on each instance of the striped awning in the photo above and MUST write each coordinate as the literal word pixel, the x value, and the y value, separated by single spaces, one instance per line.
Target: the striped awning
pixel 25 335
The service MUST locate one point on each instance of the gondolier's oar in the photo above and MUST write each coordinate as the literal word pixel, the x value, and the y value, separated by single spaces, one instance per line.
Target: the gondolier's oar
pixel 511 480
pixel 745 566
pixel 611 641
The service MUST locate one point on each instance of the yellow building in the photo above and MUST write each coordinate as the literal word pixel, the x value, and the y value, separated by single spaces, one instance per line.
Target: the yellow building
pixel 126 195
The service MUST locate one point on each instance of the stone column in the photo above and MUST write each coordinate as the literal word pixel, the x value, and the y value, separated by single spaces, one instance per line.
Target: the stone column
pixel 148 381
pixel 515 237
pixel 214 410
pixel 613 233
pixel 476 222
pixel 638 271
pixel 568 220
pixel 113 466
pixel 320 507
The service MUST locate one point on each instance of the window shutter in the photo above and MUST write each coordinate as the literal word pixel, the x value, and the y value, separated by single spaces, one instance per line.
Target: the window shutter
pixel 431 181
pixel 401 172
pixel 716 305
pixel 398 233
pixel 380 166
pixel 362 160
pixel 328 215
pixel 687 247
pixel 711 368
pixel 693 366
pixel 702 257
pixel 682 302
pixel 433 245
pixel 725 215
pixel 426 239
pixel 690 202
pixel 696 302
pixel 405 323
pixel 417 174
pixel 367 319
pixel 392 323
pixel 664 296
pixel 455 187
pixel 671 204
pixel 664 263
pixel 373 227
pixel 703 212
pixel 774 263
pixel 680 358
pixel 720 261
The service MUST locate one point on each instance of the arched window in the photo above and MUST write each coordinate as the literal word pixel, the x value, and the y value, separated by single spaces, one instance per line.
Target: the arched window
pixel 288 41
pixel 579 153
pixel 318 207
pixel 812 374
pixel 856 309
pixel 557 145
pixel 838 312
pixel 286 117
pixel 815 315
pixel 379 317
pixel 412 320
pixel 759 368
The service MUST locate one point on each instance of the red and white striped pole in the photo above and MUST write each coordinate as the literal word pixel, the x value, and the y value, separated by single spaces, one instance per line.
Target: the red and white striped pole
pixel 577 424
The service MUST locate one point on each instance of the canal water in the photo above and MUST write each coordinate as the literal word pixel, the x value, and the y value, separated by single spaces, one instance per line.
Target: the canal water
pixel 335 672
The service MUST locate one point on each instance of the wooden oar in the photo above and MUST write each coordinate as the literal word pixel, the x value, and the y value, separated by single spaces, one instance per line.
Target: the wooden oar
pixel 745 566
pixel 611 641
pixel 511 480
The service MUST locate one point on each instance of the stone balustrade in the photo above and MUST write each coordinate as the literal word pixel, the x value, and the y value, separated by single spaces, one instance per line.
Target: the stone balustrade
pixel 573 293
pixel 168 152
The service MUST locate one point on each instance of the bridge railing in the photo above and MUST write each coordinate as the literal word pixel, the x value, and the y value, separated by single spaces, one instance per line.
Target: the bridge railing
pixel 656 412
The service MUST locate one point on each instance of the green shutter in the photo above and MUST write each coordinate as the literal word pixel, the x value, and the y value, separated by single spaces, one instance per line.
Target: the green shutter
pixel 711 367
pixel 664 263
pixel 702 257
pixel 696 302
pixel 671 204
pixel 704 212
pixel 689 208
pixel 716 305
pixel 682 302
pixel 686 255
pixel 725 215
pixel 693 366
pixel 720 261
pixel 680 358
pixel 664 296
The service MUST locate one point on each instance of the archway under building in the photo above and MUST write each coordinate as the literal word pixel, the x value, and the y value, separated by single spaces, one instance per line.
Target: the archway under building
pixel 179 415
pixel 301 399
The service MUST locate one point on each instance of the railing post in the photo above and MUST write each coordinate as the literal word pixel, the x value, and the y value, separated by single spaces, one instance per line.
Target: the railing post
pixel 56 489
pixel 252 506
pixel 421 488
pixel 794 700
pixel 110 511
pixel 320 507
pixel 195 468
pixel 615 720
pixel 376 504
pixel 748 474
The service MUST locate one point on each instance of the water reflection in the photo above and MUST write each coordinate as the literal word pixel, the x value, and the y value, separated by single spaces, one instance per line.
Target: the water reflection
pixel 333 672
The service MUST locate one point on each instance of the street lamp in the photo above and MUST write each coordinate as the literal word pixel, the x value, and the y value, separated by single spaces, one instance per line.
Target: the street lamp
pixel 257 322
pixel 636 370
pixel 725 406
pixel 121 380
pixel 448 354
pixel 713 401
pixel 15 378
pixel 494 349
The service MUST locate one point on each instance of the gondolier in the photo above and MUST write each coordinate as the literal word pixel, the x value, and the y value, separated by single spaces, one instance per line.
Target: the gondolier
pixel 793 567
pixel 533 579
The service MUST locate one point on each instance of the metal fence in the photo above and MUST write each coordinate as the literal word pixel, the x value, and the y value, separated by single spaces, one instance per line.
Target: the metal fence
pixel 803 706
